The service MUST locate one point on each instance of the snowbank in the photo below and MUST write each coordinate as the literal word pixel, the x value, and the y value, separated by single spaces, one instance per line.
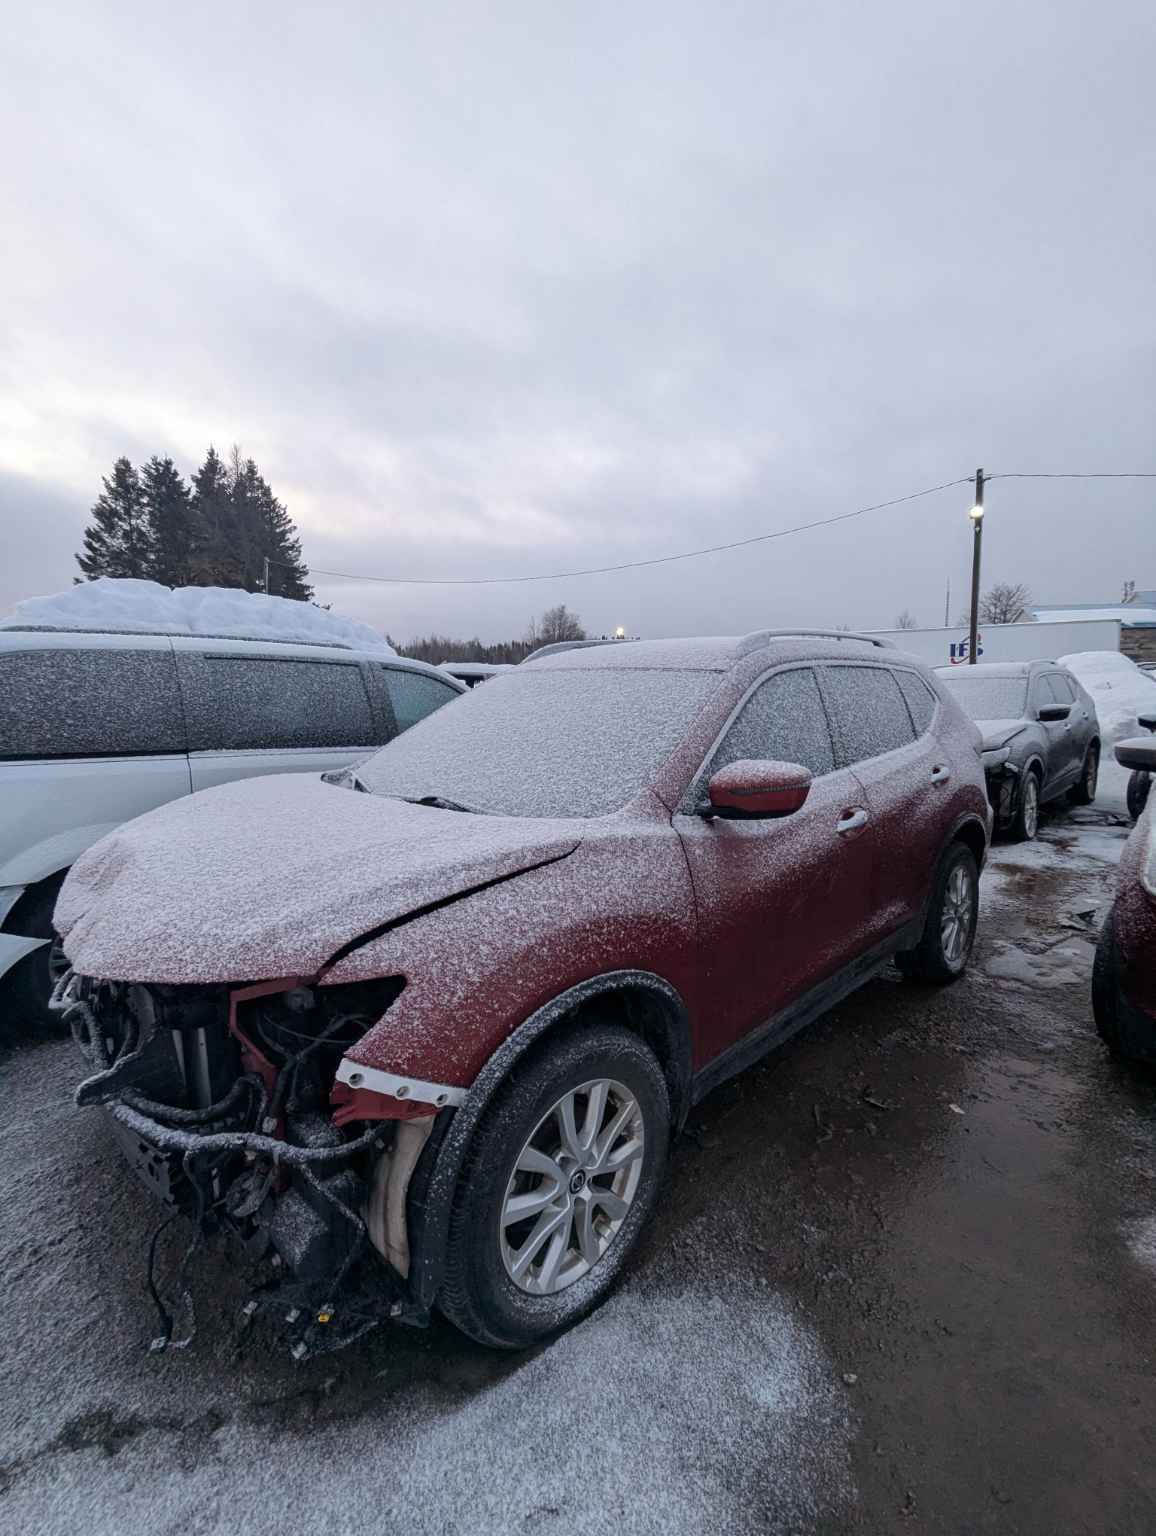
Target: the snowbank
pixel 147 607
pixel 1120 689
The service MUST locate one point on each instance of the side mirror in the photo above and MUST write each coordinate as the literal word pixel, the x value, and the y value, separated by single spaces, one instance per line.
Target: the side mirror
pixel 1137 753
pixel 1052 712
pixel 751 790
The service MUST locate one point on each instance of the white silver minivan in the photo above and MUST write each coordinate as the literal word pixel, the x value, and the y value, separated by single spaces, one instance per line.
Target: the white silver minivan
pixel 96 728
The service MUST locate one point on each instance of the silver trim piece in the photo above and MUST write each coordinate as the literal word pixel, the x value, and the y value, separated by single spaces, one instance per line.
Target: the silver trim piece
pixel 441 1095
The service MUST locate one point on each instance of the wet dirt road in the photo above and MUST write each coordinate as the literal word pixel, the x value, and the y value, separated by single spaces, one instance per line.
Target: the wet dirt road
pixel 904 1280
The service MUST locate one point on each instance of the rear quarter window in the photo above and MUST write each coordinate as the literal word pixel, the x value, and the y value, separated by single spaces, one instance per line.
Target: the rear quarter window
pixel 414 695
pixel 59 702
pixel 920 700
pixel 246 703
pixel 868 711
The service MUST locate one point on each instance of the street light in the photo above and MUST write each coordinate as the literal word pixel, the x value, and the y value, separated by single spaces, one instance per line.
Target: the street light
pixel 976 515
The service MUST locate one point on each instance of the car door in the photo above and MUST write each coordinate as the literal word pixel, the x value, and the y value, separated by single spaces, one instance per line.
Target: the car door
pixel 413 694
pixel 251 713
pixel 781 904
pixel 1061 766
pixel 1079 722
pixel 905 776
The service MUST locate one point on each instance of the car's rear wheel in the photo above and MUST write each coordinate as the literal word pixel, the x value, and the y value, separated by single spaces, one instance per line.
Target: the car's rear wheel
pixel 1084 792
pixel 1026 821
pixel 560 1179
pixel 949 929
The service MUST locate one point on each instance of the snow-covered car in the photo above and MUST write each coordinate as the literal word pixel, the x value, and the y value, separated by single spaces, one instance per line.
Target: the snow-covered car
pixel 1120 690
pixel 1041 737
pixel 1124 972
pixel 424 1030
pixel 97 727
pixel 471 673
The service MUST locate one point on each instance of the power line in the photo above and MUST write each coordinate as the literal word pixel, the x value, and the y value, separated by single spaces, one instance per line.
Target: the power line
pixel 715 549
pixel 633 565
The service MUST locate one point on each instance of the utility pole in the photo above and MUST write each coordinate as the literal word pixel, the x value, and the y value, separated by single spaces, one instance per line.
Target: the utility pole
pixel 266 575
pixel 947 605
pixel 976 515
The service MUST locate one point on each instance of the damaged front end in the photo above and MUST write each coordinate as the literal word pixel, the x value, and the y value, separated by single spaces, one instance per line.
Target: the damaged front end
pixel 223 1100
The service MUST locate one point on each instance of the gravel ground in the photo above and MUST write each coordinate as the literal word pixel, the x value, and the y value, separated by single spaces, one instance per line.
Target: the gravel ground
pixel 904 1279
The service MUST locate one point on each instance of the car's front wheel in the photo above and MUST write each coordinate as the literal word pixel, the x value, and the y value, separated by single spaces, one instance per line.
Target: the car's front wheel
pixel 561 1177
pixel 1026 821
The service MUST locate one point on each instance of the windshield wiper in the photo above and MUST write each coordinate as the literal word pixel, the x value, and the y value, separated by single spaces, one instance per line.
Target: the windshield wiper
pixel 440 803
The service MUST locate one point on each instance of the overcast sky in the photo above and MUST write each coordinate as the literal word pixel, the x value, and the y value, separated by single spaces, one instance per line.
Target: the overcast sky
pixel 492 290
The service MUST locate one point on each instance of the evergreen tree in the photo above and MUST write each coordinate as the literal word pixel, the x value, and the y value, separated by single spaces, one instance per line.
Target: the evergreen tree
pixel 117 542
pixel 214 562
pixel 277 538
pixel 171 521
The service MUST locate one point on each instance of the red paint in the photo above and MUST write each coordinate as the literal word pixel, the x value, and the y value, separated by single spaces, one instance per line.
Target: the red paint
pixel 757 789
pixel 368 1104
pixel 252 1058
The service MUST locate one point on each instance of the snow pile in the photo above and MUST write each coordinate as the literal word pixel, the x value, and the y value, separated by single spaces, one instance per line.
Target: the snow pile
pixel 146 607
pixel 1120 689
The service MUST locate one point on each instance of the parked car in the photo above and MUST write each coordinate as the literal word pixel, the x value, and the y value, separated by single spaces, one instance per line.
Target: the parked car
pixel 451 1022
pixel 471 673
pixel 1124 972
pixel 96 728
pixel 1041 737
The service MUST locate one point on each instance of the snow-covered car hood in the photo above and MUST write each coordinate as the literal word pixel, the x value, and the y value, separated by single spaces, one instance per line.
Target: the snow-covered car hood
pixel 997 733
pixel 268 877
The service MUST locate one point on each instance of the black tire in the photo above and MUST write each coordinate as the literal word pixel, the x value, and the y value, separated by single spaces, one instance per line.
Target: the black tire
pixel 1105 993
pixel 1139 784
pixel 1083 792
pixel 1025 822
pixel 28 985
pixel 930 960
pixel 478 1294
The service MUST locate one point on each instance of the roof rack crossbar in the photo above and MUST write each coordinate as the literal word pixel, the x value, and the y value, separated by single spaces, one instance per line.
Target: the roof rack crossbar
pixel 759 637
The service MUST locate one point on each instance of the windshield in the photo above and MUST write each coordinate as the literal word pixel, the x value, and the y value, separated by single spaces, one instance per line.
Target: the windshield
pixel 987 698
pixel 544 742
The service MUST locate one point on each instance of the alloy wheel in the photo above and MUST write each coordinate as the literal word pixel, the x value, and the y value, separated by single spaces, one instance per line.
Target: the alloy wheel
pixel 1031 813
pixel 572 1186
pixel 955 924
pixel 1091 773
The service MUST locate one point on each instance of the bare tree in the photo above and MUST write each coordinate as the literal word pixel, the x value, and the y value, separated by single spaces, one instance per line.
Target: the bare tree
pixel 907 620
pixel 1129 593
pixel 1005 604
pixel 556 624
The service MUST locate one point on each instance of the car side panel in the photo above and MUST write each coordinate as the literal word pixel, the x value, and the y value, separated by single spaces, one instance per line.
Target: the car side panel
pixel 621 901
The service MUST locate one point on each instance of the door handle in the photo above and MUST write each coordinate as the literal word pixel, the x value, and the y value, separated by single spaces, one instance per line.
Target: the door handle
pixel 940 775
pixel 851 820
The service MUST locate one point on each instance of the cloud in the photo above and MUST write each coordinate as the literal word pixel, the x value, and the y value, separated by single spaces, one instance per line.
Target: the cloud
pixel 489 293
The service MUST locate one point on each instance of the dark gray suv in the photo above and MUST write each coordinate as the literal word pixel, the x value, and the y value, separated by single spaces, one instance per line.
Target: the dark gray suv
pixel 1041 736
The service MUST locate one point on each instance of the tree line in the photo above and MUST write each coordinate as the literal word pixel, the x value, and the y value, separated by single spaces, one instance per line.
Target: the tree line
pixel 554 625
pixel 215 530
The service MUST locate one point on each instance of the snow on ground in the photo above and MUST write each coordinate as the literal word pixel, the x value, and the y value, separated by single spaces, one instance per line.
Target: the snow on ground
pixel 1120 688
pixel 670 1415
pixel 139 607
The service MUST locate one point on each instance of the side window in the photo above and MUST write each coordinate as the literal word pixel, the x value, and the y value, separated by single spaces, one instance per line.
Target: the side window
pixel 1051 689
pixel 870 716
pixel 89 703
pixel 920 700
pixel 783 720
pixel 1063 686
pixel 414 695
pixel 239 703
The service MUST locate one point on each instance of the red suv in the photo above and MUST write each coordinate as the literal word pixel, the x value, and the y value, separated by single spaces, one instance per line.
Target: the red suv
pixel 446 1010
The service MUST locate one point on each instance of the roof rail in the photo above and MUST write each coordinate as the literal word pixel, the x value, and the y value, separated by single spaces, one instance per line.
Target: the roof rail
pixel 760 637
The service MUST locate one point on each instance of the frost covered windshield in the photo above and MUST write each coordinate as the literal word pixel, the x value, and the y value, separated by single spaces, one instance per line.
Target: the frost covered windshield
pixel 987 698
pixel 544 742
